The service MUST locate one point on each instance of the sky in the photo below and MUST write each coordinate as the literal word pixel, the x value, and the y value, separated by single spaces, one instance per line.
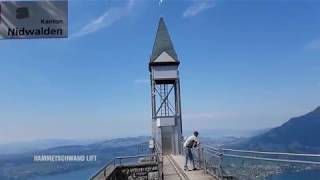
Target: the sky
pixel 245 64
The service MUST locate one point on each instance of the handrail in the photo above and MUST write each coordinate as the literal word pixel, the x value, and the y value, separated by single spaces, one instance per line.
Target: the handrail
pixel 273 159
pixel 215 153
pixel 135 156
pixel 272 153
pixel 102 169
pixel 264 152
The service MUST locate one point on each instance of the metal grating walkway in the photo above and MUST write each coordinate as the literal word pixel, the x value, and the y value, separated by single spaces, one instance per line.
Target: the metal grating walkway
pixel 173 170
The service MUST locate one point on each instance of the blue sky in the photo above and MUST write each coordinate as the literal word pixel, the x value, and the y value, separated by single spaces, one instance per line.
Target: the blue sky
pixel 244 65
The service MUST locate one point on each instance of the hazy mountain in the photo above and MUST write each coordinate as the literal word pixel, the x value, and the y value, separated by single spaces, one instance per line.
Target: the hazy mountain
pixel 36 145
pixel 222 133
pixel 222 142
pixel 299 134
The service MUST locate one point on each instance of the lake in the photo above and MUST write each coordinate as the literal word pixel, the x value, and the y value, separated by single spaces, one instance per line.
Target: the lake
pixel 304 175
pixel 83 174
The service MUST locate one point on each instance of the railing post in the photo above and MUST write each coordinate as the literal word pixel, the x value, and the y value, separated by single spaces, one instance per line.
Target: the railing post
pixel 220 166
pixel 199 157
pixel 160 166
pixel 204 161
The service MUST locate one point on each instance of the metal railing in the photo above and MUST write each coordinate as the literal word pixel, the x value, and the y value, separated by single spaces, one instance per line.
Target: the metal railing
pixel 208 160
pixel 271 156
pixel 248 164
pixel 126 161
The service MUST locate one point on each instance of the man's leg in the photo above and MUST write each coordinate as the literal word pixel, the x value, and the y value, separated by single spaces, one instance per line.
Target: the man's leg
pixel 192 159
pixel 187 157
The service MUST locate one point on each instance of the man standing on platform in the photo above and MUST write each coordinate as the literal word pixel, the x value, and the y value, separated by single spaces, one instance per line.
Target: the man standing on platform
pixel 191 142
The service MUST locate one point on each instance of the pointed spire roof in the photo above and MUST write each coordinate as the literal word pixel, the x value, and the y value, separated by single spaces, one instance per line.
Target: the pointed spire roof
pixel 163 43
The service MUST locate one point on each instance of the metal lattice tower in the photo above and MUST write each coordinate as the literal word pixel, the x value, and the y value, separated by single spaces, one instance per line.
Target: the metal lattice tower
pixel 165 94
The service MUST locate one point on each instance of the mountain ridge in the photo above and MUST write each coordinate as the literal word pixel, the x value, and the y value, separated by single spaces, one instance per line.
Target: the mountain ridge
pixel 298 134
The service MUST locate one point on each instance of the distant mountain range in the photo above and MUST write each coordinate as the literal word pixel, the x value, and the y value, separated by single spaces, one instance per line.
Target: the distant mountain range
pixel 43 144
pixel 222 133
pixel 37 145
pixel 299 134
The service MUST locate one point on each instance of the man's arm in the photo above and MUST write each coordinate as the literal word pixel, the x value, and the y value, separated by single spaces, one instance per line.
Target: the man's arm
pixel 196 142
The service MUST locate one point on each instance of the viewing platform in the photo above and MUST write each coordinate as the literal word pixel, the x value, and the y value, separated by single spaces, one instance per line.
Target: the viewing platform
pixel 173 170
pixel 154 167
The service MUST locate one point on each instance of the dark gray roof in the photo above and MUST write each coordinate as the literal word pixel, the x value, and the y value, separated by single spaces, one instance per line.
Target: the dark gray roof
pixel 163 43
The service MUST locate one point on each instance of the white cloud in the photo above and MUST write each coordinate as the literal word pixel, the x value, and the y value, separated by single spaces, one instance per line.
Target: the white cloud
pixel 313 45
pixel 107 19
pixel 142 81
pixel 198 6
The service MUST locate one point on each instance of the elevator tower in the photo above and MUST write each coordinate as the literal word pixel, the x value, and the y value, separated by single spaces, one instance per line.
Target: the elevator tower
pixel 165 94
